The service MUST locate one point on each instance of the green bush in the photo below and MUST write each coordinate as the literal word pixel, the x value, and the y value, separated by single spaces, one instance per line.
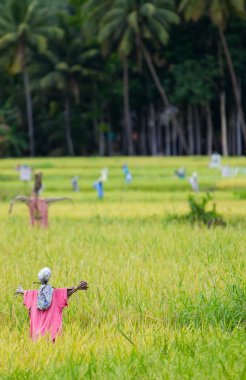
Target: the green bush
pixel 199 214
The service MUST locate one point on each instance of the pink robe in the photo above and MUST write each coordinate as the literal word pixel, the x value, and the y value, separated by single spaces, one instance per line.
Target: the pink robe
pixel 48 321
pixel 38 209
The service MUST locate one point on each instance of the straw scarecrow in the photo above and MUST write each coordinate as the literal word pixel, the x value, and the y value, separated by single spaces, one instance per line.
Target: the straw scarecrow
pixel 38 207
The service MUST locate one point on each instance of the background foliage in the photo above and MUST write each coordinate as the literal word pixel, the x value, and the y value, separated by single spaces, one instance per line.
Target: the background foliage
pixel 62 90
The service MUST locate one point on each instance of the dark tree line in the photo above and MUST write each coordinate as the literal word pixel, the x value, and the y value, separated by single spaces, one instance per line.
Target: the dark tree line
pixel 112 77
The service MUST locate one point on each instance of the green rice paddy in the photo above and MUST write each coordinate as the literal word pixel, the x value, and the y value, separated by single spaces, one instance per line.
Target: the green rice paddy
pixel 166 300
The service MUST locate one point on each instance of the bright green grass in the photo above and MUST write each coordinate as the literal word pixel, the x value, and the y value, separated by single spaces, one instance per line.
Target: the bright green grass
pixel 166 300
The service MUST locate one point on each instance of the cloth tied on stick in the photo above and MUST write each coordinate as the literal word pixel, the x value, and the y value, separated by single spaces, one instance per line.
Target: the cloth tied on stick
pixel 45 291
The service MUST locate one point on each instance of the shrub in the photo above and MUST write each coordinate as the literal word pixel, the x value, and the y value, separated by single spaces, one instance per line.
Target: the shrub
pixel 199 213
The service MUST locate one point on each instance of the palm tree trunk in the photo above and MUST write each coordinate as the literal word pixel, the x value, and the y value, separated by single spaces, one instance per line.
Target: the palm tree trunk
pixel 209 129
pixel 234 81
pixel 174 139
pixel 29 111
pixel 159 132
pixel 110 139
pixel 180 136
pixel 68 127
pixel 167 140
pixel 223 124
pixel 239 139
pixel 127 117
pixel 197 129
pixel 238 126
pixel 102 144
pixel 154 75
pixel 190 130
pixel 143 134
pixel 101 140
pixel 152 129
pixel 179 125
pixel 232 136
pixel 163 95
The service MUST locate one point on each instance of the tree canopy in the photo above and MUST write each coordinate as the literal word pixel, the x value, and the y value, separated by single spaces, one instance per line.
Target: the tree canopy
pixel 110 77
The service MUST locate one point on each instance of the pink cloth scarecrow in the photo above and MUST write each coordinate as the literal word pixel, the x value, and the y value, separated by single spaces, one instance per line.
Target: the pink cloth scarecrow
pixel 38 209
pixel 46 304
pixel 48 321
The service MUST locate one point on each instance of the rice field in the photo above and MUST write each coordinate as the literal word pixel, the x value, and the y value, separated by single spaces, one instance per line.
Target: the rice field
pixel 166 300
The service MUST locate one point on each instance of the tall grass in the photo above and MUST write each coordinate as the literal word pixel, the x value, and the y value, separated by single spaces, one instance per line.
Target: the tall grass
pixel 166 300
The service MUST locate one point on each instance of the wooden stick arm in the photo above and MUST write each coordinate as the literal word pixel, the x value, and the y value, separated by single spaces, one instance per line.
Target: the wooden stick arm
pixel 49 201
pixel 19 198
pixel 19 291
pixel 83 285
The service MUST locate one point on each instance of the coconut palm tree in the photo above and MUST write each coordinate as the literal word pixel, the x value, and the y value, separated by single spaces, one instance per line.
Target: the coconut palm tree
pixel 219 12
pixel 95 11
pixel 62 68
pixel 137 25
pixel 25 25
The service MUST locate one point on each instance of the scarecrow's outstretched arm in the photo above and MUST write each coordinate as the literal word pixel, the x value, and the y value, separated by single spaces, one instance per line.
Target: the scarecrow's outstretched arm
pixel 83 285
pixel 19 198
pixel 49 201
pixel 19 290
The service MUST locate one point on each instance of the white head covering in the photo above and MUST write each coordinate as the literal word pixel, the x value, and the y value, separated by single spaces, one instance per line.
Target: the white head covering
pixel 44 275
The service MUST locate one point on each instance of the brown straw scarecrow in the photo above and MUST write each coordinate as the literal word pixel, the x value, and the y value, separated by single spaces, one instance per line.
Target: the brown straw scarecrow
pixel 45 305
pixel 38 207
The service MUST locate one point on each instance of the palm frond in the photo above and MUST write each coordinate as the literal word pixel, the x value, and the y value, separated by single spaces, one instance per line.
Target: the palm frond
pixel 7 39
pixel 126 44
pixel 132 20
pixel 148 10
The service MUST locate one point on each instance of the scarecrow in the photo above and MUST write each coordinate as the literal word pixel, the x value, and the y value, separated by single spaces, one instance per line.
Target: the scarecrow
pixel 46 304
pixel 194 182
pixel 75 183
pixel 38 207
pixel 127 173
pixel 98 186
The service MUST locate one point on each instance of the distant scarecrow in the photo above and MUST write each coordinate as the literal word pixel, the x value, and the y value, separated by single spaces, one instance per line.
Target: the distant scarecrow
pixel 45 305
pixel 38 207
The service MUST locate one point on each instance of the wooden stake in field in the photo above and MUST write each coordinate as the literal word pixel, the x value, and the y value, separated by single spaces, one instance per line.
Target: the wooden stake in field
pixel 38 207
